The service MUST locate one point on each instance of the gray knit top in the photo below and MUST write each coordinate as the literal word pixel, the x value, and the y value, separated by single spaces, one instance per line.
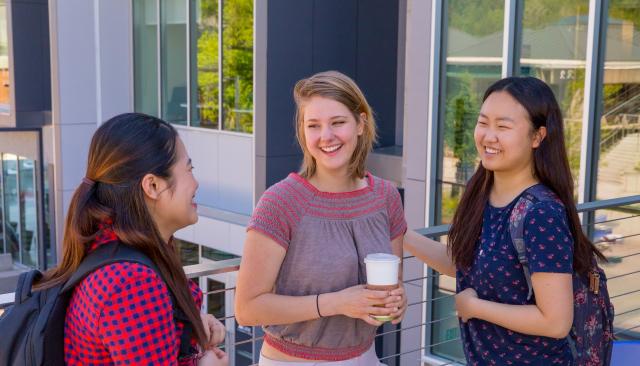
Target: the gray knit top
pixel 326 236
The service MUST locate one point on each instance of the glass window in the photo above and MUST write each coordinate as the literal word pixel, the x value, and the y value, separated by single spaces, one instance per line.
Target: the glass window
pixel 210 45
pixel 204 65
pixel 145 56
pixel 5 79
pixel 215 254
pixel 619 162
pixel 237 65
pixel 554 43
pixel 28 212
pixel 616 232
pixel 474 61
pixel 215 298
pixel 173 60
pixel 189 252
pixel 11 209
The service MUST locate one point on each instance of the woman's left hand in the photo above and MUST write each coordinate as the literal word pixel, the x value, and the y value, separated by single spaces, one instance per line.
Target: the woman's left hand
pixel 464 303
pixel 400 304
pixel 215 330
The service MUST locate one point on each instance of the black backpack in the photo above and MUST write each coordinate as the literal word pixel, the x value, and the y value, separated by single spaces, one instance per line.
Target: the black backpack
pixel 33 328
pixel 591 336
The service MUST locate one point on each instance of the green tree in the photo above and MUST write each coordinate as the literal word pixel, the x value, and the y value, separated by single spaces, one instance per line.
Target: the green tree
pixel 237 65
pixel 462 110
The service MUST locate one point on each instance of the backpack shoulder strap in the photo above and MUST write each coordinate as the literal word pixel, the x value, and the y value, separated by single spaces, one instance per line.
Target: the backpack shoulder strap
pixel 105 254
pixel 24 285
pixel 529 197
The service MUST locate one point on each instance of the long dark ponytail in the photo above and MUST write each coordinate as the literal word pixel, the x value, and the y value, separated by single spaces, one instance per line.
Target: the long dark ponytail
pixel 551 168
pixel 123 150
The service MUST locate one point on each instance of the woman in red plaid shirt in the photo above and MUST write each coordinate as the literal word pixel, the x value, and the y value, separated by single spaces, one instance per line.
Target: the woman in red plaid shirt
pixel 138 189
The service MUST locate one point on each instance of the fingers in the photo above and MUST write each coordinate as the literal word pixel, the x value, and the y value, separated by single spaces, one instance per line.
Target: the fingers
pixel 369 320
pixel 397 292
pixel 218 352
pixel 376 294
pixel 218 334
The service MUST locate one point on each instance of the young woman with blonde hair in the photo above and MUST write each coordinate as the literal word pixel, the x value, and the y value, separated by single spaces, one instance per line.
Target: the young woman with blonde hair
pixel 302 273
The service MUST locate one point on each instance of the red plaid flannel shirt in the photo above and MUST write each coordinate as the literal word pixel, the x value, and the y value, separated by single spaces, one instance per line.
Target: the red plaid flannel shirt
pixel 121 314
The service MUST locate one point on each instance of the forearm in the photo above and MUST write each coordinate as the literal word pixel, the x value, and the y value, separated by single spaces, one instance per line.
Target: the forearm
pixel 273 309
pixel 433 253
pixel 526 319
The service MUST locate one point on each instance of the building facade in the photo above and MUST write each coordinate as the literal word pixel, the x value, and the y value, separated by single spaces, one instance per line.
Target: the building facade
pixel 222 71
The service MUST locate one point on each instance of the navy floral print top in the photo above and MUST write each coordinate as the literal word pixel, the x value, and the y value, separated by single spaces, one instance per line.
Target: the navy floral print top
pixel 497 276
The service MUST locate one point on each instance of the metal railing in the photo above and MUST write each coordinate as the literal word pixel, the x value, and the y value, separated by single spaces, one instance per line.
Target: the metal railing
pixel 616 231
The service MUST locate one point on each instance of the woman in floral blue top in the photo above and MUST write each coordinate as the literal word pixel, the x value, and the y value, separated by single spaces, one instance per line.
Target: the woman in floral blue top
pixel 519 137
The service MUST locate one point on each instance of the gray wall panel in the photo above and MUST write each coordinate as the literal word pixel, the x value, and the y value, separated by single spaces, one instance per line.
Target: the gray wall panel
pixel 335 37
pixel 377 55
pixel 32 81
pixel 356 37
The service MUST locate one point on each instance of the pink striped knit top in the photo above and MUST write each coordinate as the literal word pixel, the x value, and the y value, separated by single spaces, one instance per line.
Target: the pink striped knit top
pixel 326 236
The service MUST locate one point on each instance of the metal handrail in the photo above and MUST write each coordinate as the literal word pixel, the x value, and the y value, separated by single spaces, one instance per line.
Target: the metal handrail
pixel 232 265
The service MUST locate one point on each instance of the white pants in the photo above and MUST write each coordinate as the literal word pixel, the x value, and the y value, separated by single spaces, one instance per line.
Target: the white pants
pixel 368 358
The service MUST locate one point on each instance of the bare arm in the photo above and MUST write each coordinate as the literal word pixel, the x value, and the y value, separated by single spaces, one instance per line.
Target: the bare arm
pixel 433 253
pixel 551 316
pixel 256 304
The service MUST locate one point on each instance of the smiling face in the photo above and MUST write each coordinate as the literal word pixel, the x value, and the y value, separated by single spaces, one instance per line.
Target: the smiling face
pixel 331 133
pixel 504 135
pixel 175 207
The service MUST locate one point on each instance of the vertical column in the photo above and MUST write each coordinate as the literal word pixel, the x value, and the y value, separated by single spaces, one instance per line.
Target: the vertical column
pixel 91 73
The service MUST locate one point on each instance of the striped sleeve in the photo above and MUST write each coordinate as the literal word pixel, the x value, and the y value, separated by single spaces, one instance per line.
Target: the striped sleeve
pixel 273 216
pixel 397 222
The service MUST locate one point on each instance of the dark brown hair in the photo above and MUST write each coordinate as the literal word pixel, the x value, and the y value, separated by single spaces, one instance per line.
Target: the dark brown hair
pixel 551 168
pixel 123 150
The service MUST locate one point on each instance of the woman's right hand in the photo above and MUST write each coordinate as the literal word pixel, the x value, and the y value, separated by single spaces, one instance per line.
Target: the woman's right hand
pixel 214 357
pixel 359 302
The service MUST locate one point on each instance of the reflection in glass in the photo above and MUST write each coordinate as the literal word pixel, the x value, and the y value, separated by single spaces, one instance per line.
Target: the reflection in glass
pixel 237 65
pixel 554 42
pixel 189 252
pixel 216 255
pixel 215 301
pixel 5 89
pixel 445 331
pixel 28 213
pixel 619 163
pixel 145 55
pixel 204 63
pixel 616 234
pixel 173 35
pixel 474 61
pixel 11 209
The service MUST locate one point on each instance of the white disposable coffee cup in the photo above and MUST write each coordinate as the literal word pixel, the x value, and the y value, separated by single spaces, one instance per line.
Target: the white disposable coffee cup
pixel 382 274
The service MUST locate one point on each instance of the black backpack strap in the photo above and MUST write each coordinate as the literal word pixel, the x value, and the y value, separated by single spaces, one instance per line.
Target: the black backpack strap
pixel 25 282
pixel 105 254
pixel 115 252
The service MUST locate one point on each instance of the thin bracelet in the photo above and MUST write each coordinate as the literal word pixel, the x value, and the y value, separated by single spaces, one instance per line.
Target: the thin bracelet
pixel 318 305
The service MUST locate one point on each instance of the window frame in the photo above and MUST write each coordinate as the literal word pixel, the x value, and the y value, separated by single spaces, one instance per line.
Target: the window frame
pixel 220 128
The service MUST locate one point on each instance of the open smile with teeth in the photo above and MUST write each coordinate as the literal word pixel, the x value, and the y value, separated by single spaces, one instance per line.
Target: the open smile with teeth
pixel 330 149
pixel 490 150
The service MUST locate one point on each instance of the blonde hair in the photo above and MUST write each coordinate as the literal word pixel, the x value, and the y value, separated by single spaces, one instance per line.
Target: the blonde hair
pixel 341 88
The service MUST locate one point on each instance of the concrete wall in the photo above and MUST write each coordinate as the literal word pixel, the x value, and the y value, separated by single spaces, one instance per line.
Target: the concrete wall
pixel 91 58
pixel 415 157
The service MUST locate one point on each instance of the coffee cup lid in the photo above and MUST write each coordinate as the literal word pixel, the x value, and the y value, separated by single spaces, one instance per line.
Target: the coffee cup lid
pixel 381 257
